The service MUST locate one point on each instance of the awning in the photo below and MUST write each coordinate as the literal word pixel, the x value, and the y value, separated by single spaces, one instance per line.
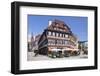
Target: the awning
pixel 55 49
pixel 64 49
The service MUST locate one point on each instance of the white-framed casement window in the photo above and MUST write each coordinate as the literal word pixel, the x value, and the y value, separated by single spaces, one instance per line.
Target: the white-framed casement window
pixel 60 34
pixel 56 34
pixel 53 33
pixel 66 42
pixel 66 35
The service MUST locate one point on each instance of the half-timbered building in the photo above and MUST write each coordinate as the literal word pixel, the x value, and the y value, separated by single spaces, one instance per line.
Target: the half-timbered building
pixel 57 37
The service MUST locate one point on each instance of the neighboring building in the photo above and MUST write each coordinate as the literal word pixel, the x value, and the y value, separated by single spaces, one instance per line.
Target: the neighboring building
pixel 36 42
pixel 83 47
pixel 57 37
pixel 33 43
pixel 30 42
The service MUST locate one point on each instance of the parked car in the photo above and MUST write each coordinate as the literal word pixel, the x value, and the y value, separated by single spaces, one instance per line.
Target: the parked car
pixel 52 54
pixel 66 53
pixel 85 52
pixel 59 54
pixel 74 53
pixel 78 52
pixel 35 51
pixel 55 54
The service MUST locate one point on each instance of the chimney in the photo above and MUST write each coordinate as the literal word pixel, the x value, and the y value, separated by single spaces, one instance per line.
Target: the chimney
pixel 50 22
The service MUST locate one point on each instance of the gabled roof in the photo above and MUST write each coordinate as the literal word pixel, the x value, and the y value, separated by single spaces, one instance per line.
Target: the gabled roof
pixel 59 25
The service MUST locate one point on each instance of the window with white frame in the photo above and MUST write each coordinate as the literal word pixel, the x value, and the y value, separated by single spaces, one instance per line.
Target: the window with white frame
pixel 53 33
pixel 65 42
pixel 56 34
pixel 66 35
pixel 60 34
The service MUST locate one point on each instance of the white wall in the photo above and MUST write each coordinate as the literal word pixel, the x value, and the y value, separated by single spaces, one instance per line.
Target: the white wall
pixel 5 41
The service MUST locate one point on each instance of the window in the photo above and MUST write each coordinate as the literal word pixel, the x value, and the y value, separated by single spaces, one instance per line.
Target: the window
pixel 65 42
pixel 60 35
pixel 62 41
pixel 59 42
pixel 51 42
pixel 54 28
pixel 66 35
pixel 53 33
pixel 57 34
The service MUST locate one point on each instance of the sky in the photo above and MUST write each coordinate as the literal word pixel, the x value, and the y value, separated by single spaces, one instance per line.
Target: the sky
pixel 78 25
